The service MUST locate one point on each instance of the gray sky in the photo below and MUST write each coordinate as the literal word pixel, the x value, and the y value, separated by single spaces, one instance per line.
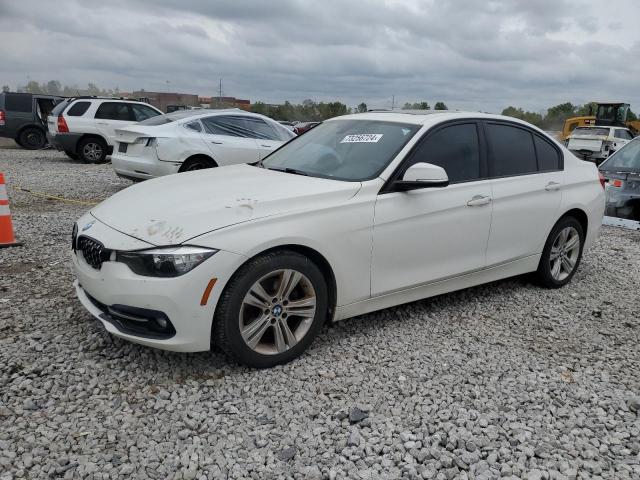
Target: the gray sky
pixel 472 54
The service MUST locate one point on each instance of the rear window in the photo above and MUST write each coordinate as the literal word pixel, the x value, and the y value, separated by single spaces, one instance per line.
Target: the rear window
pixel 167 118
pixel 59 108
pixel 78 109
pixel 512 151
pixel 548 156
pixel 585 131
pixel 15 102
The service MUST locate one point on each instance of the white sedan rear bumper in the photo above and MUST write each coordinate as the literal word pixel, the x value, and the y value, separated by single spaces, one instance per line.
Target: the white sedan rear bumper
pixel 143 167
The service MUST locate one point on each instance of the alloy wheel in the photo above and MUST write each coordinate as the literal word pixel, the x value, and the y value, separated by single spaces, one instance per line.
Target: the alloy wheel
pixel 92 151
pixel 277 311
pixel 564 254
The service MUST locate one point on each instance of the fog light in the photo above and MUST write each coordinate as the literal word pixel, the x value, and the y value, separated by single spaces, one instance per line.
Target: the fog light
pixel 162 322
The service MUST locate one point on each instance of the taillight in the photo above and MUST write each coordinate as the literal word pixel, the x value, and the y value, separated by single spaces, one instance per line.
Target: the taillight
pixel 615 183
pixel 62 125
pixel 602 180
pixel 1 117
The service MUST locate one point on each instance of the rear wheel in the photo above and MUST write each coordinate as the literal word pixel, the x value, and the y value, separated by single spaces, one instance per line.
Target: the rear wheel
pixel 271 310
pixel 32 138
pixel 92 150
pixel 562 253
pixel 197 163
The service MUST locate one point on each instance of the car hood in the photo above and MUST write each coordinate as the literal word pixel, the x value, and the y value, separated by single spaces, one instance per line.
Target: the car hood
pixel 174 209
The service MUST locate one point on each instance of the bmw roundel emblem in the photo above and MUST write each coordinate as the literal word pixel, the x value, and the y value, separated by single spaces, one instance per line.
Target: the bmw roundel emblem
pixel 277 310
pixel 88 226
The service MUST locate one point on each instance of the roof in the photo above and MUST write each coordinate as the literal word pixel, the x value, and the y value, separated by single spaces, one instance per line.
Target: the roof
pixel 423 117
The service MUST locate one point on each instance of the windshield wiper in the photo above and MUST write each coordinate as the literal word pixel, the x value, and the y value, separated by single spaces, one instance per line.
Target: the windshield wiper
pixel 289 170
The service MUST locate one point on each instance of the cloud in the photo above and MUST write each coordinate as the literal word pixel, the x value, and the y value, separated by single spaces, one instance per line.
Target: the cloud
pixel 470 54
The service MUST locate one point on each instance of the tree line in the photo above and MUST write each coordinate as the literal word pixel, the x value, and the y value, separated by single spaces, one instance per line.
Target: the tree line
pixel 553 118
pixel 54 87
pixel 312 111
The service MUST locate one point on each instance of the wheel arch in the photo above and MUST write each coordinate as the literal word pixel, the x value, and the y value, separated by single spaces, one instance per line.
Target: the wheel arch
pixel 317 258
pixel 85 136
pixel 26 126
pixel 580 215
pixel 198 155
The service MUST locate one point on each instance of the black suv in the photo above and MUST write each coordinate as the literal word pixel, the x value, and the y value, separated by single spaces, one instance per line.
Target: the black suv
pixel 23 117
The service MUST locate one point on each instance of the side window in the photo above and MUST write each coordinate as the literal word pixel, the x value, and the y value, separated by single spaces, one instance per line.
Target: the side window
pixel 18 102
pixel 454 148
pixel 623 134
pixel 194 126
pixel 219 125
pixel 78 109
pixel 142 112
pixel 511 150
pixel 260 129
pixel 114 111
pixel 548 156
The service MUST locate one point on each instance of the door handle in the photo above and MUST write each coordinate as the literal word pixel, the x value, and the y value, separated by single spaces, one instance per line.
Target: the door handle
pixel 552 186
pixel 217 143
pixel 479 200
pixel 102 123
pixel 267 146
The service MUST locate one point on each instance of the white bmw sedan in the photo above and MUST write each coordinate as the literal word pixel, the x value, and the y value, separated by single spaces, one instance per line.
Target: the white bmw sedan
pixel 361 213
pixel 193 140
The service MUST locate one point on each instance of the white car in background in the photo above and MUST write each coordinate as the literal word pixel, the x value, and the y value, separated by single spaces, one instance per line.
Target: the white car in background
pixel 193 140
pixel 361 213
pixel 84 127
pixel 596 143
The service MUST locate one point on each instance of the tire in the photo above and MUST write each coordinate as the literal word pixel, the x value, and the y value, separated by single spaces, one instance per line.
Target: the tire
pixel 239 310
pixel 197 163
pixel 32 139
pixel 567 255
pixel 71 155
pixel 92 150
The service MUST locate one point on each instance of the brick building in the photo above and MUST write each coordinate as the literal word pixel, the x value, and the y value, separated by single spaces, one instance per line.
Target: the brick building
pixel 163 99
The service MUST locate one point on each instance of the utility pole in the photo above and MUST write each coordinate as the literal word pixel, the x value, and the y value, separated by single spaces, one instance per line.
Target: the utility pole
pixel 220 93
pixel 393 102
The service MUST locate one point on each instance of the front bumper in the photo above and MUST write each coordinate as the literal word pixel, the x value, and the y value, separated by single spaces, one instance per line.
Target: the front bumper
pixel 178 298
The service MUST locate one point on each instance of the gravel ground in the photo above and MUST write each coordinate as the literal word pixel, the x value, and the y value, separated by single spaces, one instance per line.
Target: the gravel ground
pixel 504 380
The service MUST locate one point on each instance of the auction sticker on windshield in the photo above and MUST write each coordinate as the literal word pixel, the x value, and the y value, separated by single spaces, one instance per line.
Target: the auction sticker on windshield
pixel 362 138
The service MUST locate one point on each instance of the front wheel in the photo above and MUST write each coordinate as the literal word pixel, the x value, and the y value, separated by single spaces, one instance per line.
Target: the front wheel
pixel 562 253
pixel 271 310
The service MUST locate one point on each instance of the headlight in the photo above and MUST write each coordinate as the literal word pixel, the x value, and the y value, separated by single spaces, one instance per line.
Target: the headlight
pixel 165 262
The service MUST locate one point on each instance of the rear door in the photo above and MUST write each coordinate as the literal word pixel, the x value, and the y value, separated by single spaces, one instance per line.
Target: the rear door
pixel 229 140
pixel 266 136
pixel 111 116
pixel 527 181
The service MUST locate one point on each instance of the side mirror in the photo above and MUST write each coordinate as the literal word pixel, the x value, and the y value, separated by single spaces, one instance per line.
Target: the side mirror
pixel 422 175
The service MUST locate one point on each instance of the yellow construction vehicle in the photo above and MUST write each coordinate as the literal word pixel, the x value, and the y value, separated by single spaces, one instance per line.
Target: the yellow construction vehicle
pixel 606 114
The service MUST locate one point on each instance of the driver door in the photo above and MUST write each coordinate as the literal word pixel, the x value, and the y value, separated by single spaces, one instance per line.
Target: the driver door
pixel 431 234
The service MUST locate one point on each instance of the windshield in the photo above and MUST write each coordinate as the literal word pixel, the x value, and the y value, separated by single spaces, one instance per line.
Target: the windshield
pixel 627 158
pixel 169 117
pixel 350 150
pixel 584 131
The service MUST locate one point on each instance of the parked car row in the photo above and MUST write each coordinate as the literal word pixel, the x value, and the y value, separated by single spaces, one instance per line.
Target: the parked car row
pixel 362 212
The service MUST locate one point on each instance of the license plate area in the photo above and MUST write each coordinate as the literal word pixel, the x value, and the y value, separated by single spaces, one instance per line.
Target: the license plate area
pixel 122 147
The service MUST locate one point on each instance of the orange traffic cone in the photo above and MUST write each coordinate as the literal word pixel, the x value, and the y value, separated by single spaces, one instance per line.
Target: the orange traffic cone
pixel 7 239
